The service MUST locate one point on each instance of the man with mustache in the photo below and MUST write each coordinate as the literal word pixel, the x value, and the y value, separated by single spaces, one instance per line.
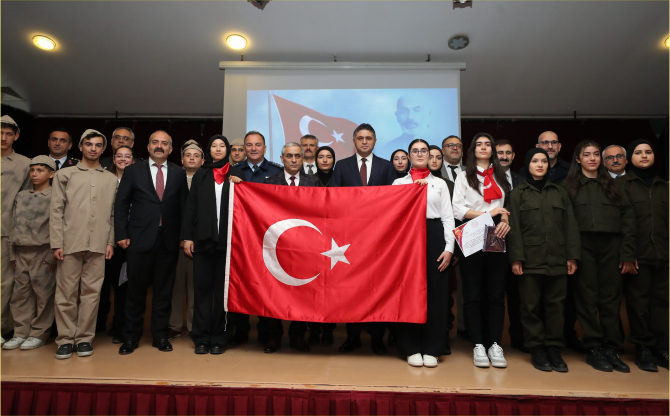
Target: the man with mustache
pixel 309 145
pixel 60 142
pixel 506 155
pixel 452 149
pixel 149 206
pixel 615 160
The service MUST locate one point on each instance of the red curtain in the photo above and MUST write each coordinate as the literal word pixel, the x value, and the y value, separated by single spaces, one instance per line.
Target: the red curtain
pixel 109 399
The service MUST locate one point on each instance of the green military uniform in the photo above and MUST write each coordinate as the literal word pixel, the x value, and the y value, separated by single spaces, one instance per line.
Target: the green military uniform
pixel 647 292
pixel 543 236
pixel 608 238
pixel 15 178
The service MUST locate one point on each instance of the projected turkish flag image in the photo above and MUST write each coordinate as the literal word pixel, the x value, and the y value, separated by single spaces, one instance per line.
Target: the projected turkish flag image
pixel 328 254
pixel 298 120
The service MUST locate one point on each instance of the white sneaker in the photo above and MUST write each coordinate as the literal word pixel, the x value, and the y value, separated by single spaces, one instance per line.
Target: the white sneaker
pixel 13 343
pixel 496 356
pixel 430 361
pixel 2 341
pixel 32 343
pixel 479 356
pixel 415 360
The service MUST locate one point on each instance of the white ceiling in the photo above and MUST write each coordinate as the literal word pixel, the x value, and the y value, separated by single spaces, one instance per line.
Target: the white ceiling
pixel 161 58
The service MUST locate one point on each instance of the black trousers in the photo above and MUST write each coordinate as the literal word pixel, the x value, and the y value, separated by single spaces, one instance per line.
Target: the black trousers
pixel 155 267
pixel 297 329
pixel 430 338
pixel 376 329
pixel 513 307
pixel 111 285
pixel 547 293
pixel 209 280
pixel 647 306
pixel 484 276
pixel 318 327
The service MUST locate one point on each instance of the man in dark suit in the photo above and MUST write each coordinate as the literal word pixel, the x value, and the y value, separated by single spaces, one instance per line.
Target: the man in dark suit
pixel 292 175
pixel 309 144
pixel 364 169
pixel 120 136
pixel 256 168
pixel 60 142
pixel 506 154
pixel 147 222
pixel 558 167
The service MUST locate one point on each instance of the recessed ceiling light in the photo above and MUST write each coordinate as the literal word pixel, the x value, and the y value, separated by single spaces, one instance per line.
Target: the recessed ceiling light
pixel 458 42
pixel 236 42
pixel 44 42
pixel 667 42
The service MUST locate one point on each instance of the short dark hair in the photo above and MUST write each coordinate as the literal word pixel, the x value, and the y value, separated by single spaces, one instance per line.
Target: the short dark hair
pixel 9 126
pixel 310 137
pixel 504 142
pixel 253 132
pixel 451 137
pixel 49 168
pixel 365 126
pixel 62 130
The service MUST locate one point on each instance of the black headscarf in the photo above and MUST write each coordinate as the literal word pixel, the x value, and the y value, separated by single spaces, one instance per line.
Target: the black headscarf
pixel 436 173
pixel 209 161
pixel 529 178
pixel 324 177
pixel 401 174
pixel 647 175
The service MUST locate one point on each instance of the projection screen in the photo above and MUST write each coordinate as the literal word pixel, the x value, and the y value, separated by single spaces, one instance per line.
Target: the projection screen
pixel 285 101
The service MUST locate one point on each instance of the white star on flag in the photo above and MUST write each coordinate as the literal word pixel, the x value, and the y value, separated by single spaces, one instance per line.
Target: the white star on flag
pixel 336 254
pixel 337 136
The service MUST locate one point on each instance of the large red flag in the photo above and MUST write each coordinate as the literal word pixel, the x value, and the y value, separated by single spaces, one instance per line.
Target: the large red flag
pixel 354 254
pixel 298 120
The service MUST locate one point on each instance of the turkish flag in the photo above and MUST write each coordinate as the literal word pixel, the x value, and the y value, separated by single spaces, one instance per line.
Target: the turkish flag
pixel 298 120
pixel 352 254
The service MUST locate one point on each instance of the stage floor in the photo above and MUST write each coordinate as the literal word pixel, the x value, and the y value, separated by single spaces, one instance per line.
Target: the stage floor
pixel 325 368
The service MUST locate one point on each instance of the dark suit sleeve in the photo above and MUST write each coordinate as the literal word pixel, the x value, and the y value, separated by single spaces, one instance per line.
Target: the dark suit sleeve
pixel 336 180
pixel 183 196
pixel 390 173
pixel 122 204
pixel 189 212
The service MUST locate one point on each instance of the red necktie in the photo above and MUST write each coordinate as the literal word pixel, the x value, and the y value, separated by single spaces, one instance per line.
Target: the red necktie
pixel 364 172
pixel 292 181
pixel 220 173
pixel 160 187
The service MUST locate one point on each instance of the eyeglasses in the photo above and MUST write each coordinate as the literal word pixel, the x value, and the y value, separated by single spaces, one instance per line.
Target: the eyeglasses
pixel 119 156
pixel 453 146
pixel 551 143
pixel 124 138
pixel 612 157
pixel 422 152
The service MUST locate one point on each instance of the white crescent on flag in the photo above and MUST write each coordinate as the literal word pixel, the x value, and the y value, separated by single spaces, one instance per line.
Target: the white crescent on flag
pixel 304 127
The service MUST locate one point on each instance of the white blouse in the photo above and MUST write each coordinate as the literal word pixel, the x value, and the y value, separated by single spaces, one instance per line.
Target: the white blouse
pixel 218 188
pixel 438 205
pixel 466 198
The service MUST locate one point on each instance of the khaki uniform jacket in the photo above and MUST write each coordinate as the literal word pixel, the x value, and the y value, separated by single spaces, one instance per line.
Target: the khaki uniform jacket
pixel 651 217
pixel 30 220
pixel 15 178
pixel 82 209
pixel 543 230
pixel 597 214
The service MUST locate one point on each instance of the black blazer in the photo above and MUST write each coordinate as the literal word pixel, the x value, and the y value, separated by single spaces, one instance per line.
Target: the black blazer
pixel 305 180
pixel 347 174
pixel 516 179
pixel 137 209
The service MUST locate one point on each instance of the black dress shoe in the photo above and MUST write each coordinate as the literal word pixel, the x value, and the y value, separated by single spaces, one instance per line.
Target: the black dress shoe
pixel 539 358
pixel 217 349
pixel 162 344
pixel 172 334
pixel 299 344
pixel 614 360
pixel 128 347
pixel 378 347
pixel 117 340
pixel 350 344
pixel 598 360
pixel 313 338
pixel 662 359
pixel 202 348
pixel 327 339
pixel 447 350
pixel 271 346
pixel 557 363
pixel 238 338
pixel 644 360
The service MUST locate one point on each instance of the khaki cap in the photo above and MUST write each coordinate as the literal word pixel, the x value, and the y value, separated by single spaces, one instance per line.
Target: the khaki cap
pixel 90 132
pixel 191 144
pixel 237 142
pixel 43 160
pixel 9 120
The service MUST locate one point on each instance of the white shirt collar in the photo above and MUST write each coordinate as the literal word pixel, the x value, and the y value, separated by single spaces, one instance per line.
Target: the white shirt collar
pixel 151 162
pixel 368 159
pixel 288 177
pixel 62 159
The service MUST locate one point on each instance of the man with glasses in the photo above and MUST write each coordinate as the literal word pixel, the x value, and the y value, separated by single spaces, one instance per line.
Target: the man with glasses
pixel 615 160
pixel 559 168
pixel 59 144
pixel 452 149
pixel 120 136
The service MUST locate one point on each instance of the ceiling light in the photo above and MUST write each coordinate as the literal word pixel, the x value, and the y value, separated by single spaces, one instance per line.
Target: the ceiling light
pixel 44 42
pixel 458 42
pixel 236 42
pixel 667 42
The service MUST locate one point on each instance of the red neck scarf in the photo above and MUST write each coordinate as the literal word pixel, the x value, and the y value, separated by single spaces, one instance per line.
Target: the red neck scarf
pixel 491 189
pixel 419 173
pixel 220 173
